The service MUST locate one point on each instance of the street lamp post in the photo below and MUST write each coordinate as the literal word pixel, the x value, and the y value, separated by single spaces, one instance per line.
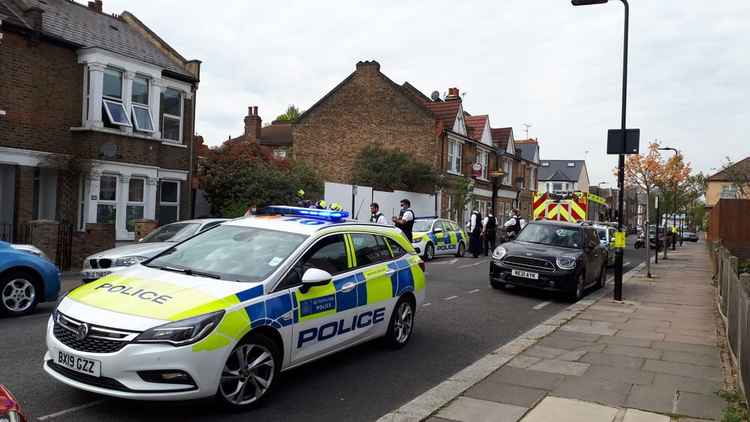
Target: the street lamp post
pixel 674 201
pixel 621 158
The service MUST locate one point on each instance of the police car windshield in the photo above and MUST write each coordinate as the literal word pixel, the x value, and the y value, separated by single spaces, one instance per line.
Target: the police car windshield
pixel 422 225
pixel 237 253
pixel 550 234
pixel 174 232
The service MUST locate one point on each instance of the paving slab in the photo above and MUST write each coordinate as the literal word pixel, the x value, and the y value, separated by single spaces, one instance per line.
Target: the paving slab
pixel 707 340
pixel 592 327
pixel 642 334
pixel 647 397
pixel 466 409
pixel 692 358
pixel 567 410
pixel 636 352
pixel 544 352
pixel 634 415
pixel 560 342
pixel 692 385
pixel 632 376
pixel 526 378
pixel 610 392
pixel 683 369
pixel 706 406
pixel 557 366
pixel 523 361
pixel 613 360
pixel 437 419
pixel 685 347
pixel 573 355
pixel 492 390
pixel 626 341
pixel 614 317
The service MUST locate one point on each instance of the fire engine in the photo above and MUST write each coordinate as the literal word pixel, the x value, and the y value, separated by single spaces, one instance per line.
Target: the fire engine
pixel 571 206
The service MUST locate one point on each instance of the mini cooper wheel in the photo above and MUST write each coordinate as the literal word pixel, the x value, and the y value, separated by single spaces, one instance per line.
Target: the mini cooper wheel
pixel 429 252
pixel 18 293
pixel 402 323
pixel 461 250
pixel 249 373
pixel 577 294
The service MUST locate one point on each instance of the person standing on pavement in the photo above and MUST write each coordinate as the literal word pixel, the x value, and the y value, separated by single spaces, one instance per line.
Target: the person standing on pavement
pixel 405 219
pixel 376 216
pixel 513 225
pixel 489 233
pixel 475 233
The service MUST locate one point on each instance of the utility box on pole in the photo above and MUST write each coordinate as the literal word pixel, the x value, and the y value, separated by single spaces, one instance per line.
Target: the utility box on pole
pixel 617 144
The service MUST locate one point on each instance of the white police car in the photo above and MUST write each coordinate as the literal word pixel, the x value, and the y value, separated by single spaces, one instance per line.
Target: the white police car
pixel 433 237
pixel 221 314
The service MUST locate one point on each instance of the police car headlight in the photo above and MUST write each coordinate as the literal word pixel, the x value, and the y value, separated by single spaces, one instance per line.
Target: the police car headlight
pixel 566 262
pixel 129 260
pixel 499 252
pixel 180 333
pixel 416 239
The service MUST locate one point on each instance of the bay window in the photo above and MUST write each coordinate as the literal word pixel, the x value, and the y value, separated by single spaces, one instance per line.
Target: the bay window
pixel 483 159
pixel 454 157
pixel 140 108
pixel 169 201
pixel 171 115
pixel 112 101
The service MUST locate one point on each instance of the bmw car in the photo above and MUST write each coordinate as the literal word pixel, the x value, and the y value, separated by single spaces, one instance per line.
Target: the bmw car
pixel 433 237
pixel 224 312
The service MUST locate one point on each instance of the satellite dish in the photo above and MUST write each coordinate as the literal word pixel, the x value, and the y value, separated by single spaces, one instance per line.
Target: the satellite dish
pixel 435 96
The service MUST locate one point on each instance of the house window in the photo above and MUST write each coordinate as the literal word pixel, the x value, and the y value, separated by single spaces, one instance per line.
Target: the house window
pixel 169 202
pixel 134 209
pixel 112 103
pixel 508 169
pixel 106 207
pixel 171 115
pixel 454 157
pixel 557 187
pixel 729 192
pixel 44 200
pixel 483 159
pixel 140 109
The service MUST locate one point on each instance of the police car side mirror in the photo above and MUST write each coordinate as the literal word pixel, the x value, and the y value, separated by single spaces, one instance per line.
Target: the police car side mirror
pixel 314 277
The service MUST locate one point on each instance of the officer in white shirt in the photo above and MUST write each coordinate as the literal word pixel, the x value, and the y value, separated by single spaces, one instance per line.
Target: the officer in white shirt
pixel 376 216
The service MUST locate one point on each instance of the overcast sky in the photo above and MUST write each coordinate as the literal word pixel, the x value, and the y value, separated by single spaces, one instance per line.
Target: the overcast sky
pixel 541 62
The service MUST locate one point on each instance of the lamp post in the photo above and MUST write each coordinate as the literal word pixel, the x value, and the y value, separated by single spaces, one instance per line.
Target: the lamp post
pixel 621 158
pixel 674 201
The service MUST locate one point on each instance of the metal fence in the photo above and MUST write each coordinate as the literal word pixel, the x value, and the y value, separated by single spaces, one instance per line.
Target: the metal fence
pixel 734 305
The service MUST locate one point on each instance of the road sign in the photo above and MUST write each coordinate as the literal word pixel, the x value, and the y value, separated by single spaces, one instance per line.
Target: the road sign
pixel 617 144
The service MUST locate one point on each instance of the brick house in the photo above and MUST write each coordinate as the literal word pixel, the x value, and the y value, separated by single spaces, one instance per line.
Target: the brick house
pixel 275 139
pixel 99 119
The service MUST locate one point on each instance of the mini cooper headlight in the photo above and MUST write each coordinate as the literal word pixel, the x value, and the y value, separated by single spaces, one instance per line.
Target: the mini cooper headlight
pixel 180 333
pixel 566 262
pixel 127 261
pixel 499 252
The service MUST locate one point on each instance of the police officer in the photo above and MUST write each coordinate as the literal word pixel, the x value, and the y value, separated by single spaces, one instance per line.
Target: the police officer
pixel 489 233
pixel 475 233
pixel 405 219
pixel 376 216
pixel 513 225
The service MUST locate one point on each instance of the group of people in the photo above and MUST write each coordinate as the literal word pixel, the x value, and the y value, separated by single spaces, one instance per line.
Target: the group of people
pixel 404 221
pixel 483 231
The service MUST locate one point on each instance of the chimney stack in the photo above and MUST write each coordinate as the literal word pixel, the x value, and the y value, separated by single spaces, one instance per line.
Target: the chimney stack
pixel 96 5
pixel 452 94
pixel 34 16
pixel 368 66
pixel 253 124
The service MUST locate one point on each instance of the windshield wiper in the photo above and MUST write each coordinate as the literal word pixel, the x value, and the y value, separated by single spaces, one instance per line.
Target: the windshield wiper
pixel 188 271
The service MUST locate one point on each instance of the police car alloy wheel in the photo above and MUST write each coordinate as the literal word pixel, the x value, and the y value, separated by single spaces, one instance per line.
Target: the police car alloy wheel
pixel 402 323
pixel 17 294
pixel 249 372
pixel 429 252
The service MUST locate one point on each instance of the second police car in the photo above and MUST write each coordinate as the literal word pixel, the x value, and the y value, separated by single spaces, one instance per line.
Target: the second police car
pixel 222 313
pixel 437 236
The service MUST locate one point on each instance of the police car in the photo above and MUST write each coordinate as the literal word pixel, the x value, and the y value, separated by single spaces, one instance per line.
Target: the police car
pixel 433 237
pixel 222 313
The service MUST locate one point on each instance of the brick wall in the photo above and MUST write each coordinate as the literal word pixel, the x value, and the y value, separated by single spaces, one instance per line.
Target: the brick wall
pixel 366 109
pixel 130 149
pixel 96 238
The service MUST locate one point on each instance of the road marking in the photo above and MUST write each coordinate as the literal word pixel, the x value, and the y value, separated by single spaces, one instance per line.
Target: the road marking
pixel 450 297
pixel 452 261
pixel 426 304
pixel 626 264
pixel 541 305
pixel 473 265
pixel 71 410
pixel 473 291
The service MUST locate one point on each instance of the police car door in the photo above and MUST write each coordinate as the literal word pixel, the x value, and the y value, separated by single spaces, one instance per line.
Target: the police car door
pixel 318 325
pixel 440 235
pixel 372 257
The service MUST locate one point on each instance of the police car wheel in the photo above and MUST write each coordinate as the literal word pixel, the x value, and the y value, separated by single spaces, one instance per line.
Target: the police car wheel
pixel 461 250
pixel 249 372
pixel 429 252
pixel 18 293
pixel 402 323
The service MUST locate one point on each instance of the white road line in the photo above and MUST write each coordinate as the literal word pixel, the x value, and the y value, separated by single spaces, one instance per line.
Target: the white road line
pixel 541 305
pixel 626 264
pixel 473 265
pixel 71 410
pixel 453 261
pixel 473 291
pixel 426 304
pixel 450 297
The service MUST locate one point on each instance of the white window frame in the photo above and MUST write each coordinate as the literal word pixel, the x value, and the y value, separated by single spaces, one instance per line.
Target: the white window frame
pixel 114 101
pixel 508 168
pixel 280 153
pixel 147 106
pixel 100 201
pixel 171 116
pixel 142 203
pixel 483 158
pixel 169 204
pixel 454 156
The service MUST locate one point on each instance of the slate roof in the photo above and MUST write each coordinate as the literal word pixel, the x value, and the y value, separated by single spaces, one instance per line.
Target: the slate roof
pixel 558 170
pixel 722 175
pixel 528 150
pixel 84 27
pixel 475 126
pixel 277 134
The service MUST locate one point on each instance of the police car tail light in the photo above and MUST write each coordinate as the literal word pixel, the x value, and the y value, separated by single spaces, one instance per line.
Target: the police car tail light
pixel 328 215
pixel 180 333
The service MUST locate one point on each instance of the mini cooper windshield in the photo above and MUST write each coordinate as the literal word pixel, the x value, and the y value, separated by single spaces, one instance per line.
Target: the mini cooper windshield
pixel 550 234
pixel 235 253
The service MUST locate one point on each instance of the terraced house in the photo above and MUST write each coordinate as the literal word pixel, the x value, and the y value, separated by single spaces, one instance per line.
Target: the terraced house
pixel 98 120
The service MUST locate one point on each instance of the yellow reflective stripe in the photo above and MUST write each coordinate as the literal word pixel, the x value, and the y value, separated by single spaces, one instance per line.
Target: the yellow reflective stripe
pixel 388 244
pixel 575 206
pixel 232 327
pixel 454 238
pixel 540 209
pixel 565 214
pixel 379 285
pixel 418 276
pixel 351 257
pixel 208 307
pixel 314 293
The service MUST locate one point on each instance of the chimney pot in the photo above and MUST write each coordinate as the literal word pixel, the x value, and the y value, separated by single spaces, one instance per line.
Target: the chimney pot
pixel 253 124
pixel 368 65
pixel 250 110
pixel 453 93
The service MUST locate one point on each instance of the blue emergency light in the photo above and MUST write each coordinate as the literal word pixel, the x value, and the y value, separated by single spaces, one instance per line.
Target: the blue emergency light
pixel 328 215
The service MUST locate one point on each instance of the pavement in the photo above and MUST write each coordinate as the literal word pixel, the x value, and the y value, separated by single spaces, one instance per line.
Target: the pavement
pixel 651 358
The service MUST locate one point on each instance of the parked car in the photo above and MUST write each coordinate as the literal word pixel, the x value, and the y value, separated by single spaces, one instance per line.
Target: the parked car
pixel 26 279
pixel 607 238
pixel 104 263
pixel 438 237
pixel 10 410
pixel 689 237
pixel 551 255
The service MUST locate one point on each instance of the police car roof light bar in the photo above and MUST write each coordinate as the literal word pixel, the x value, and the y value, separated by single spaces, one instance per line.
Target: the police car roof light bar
pixel 328 215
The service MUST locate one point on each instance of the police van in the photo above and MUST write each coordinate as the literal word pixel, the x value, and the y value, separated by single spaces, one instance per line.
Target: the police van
pixel 222 313
pixel 433 237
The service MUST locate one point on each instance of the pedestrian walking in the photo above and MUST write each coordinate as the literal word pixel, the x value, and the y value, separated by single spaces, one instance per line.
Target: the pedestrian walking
pixel 376 216
pixel 405 219
pixel 475 233
pixel 489 233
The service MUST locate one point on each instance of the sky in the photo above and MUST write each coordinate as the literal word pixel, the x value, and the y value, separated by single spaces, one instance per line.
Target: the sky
pixel 544 63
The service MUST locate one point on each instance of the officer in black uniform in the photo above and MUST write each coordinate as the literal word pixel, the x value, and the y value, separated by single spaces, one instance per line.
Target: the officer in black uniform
pixel 513 226
pixel 405 219
pixel 489 233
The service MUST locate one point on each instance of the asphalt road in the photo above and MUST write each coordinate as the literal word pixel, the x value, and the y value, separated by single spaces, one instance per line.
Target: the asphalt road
pixel 462 320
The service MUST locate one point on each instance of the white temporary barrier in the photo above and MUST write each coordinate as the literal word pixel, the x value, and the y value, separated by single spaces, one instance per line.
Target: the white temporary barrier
pixel 357 200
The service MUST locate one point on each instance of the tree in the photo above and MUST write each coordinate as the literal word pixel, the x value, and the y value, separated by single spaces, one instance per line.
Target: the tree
pixel 292 113
pixel 387 169
pixel 673 182
pixel 739 174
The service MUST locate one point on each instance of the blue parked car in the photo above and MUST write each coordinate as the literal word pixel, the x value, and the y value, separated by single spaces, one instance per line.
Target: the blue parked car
pixel 27 278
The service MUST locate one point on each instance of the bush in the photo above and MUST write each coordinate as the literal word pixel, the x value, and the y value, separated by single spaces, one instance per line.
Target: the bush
pixel 386 169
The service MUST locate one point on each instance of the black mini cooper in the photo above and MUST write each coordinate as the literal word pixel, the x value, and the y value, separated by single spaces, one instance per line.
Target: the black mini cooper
pixel 551 255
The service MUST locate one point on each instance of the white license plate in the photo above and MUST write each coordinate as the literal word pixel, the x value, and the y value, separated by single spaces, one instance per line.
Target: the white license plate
pixel 525 274
pixel 79 364
pixel 92 275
